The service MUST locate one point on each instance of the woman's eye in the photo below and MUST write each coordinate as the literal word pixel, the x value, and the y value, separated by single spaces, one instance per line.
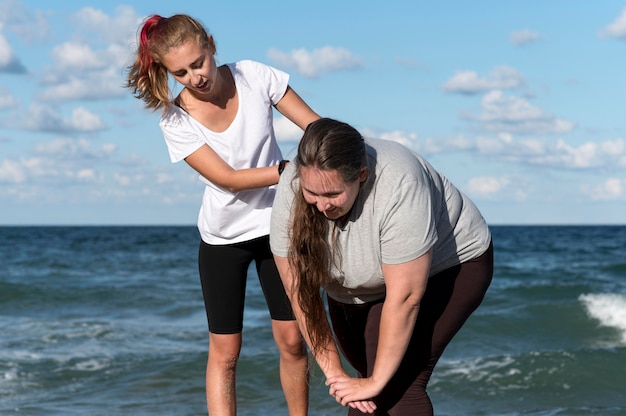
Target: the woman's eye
pixel 198 64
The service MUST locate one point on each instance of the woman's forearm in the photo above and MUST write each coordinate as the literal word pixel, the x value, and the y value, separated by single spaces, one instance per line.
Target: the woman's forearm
pixel 212 167
pixel 397 322
pixel 326 356
pixel 405 285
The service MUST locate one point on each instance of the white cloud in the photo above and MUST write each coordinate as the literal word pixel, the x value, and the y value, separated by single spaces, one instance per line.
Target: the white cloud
pixel 26 24
pixel 12 172
pixel 8 61
pixel 554 154
pixel 487 185
pixel 16 18
pixel 74 149
pixel 122 180
pixel 88 175
pixel 47 119
pixel 557 154
pixel 286 131
pixel 162 178
pixel 58 162
pixel 117 29
pixel 468 82
pixel 399 136
pixel 84 120
pixel 84 70
pixel 617 29
pixel 64 170
pixel 73 55
pixel 453 144
pixel 609 154
pixel 7 100
pixel 523 37
pixel 498 188
pixel 312 64
pixel 87 86
pixel 407 139
pixel 612 189
pixel 509 114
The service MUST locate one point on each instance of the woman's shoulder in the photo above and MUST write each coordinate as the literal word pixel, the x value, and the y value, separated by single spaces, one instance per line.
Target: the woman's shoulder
pixel 174 116
pixel 388 150
pixel 395 162
pixel 248 64
pixel 261 78
pixel 248 68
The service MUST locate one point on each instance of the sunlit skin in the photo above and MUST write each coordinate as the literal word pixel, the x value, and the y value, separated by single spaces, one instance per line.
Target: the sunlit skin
pixel 210 97
pixel 334 198
pixel 327 190
pixel 194 67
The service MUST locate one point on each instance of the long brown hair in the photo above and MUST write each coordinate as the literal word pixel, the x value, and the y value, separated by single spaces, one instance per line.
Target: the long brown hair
pixel 327 144
pixel 147 76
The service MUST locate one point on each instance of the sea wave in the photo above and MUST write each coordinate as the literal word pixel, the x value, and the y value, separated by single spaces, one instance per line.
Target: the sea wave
pixel 608 308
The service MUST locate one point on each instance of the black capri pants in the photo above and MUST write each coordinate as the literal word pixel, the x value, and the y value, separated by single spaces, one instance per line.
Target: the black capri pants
pixel 450 298
pixel 223 275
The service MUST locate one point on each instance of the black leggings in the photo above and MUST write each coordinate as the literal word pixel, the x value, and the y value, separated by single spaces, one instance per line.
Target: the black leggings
pixel 450 298
pixel 223 275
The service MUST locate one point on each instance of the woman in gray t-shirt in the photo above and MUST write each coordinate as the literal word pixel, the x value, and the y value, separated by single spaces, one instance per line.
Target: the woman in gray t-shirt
pixel 403 256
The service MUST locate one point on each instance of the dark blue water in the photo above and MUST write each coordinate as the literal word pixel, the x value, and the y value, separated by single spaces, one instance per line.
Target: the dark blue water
pixel 110 321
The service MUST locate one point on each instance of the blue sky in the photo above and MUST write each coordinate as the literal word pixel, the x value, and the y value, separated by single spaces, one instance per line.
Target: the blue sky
pixel 521 104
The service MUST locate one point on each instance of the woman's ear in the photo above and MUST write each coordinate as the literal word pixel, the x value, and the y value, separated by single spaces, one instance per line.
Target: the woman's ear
pixel 363 174
pixel 212 47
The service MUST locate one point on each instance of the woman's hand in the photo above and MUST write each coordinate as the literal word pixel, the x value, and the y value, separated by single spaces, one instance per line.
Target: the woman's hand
pixel 353 392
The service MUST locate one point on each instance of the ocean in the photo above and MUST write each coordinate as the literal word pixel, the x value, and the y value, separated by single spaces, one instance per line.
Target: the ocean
pixel 110 321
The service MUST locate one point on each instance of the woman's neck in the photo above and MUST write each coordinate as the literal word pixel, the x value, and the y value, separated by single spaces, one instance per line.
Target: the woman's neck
pixel 219 96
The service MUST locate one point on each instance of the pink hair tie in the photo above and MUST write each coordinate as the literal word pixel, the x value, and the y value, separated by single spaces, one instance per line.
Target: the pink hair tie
pixel 144 39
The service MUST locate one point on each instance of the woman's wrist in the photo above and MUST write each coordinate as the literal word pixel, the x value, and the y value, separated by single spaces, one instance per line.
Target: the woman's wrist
pixel 334 368
pixel 281 166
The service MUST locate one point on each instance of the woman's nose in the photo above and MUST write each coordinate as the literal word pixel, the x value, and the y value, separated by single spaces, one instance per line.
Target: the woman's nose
pixel 322 204
pixel 195 77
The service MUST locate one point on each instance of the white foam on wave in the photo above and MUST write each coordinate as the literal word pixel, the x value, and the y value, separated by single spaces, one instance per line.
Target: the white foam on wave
pixel 481 369
pixel 92 365
pixel 10 374
pixel 608 308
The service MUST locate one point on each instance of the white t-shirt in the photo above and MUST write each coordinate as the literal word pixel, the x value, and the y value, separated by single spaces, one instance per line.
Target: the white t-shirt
pixel 249 142
pixel 403 209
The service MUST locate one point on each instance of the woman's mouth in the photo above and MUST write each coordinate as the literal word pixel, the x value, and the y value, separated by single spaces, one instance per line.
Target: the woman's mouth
pixel 202 87
pixel 332 213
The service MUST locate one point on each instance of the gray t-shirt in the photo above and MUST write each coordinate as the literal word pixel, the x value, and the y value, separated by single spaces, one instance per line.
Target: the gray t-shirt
pixel 403 209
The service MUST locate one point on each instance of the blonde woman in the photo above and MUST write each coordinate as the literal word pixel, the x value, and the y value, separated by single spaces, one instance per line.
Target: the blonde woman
pixel 221 125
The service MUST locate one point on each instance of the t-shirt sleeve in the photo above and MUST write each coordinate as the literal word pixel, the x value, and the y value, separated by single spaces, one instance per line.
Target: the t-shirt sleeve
pixel 408 228
pixel 281 213
pixel 180 138
pixel 273 80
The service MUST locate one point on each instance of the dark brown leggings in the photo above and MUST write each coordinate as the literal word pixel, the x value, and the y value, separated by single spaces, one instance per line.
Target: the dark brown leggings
pixel 450 298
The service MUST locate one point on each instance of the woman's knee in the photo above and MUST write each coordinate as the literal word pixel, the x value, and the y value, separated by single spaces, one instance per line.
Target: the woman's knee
pixel 225 348
pixel 288 338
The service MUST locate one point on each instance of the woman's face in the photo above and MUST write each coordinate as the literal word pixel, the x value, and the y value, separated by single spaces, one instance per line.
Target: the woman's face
pixel 193 66
pixel 327 190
